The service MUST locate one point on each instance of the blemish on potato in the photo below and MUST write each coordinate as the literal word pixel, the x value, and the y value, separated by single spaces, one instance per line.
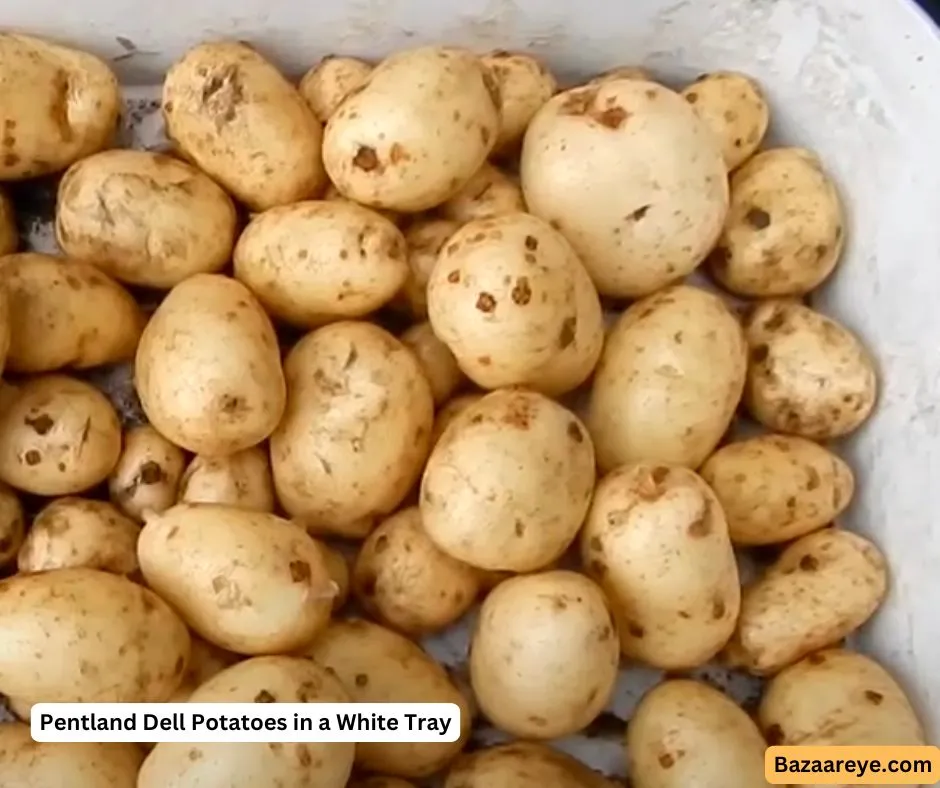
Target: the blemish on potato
pixel 361 680
pixel 875 698
pixel 194 755
pixel 32 457
pixel 519 528
pixel 41 424
pixel 566 336
pixel 299 571
pixel 636 630
pixel 666 760
pixel 264 697
pixel 366 159
pixel 809 563
pixel 700 527
pixel 486 303
pixel 639 213
pixel 521 292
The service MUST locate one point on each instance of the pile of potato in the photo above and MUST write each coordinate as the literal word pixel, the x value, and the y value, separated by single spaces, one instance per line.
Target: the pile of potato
pixel 380 321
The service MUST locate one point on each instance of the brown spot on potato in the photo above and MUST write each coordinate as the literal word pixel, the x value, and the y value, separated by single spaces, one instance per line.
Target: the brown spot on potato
pixel 759 354
pixel 11 159
pixel 194 755
pixel 598 568
pixel 264 697
pixel 231 404
pixel 398 154
pixel 611 117
pixel 41 424
pixel 596 544
pixel 700 527
pixel 485 135
pixel 684 614
pixel 691 97
pixel 775 321
pixel 453 277
pixel 659 474
pixel 718 608
pixel 531 243
pixel 362 679
pixel 151 473
pixel 299 571
pixel 32 457
pixel 666 760
pixel 539 722
pixel 303 756
pixel 875 698
pixel 521 292
pixel 484 361
pixel 366 159
pixel 636 630
pixel 519 528
pixel 816 659
pixel 578 102
pixel 639 213
pixel 813 481
pixel 758 218
pixel 809 563
pixel 486 303
pixel 381 544
pixel 566 336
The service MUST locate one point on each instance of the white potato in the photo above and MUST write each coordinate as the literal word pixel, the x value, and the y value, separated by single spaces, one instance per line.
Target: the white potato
pixel 147 474
pixel 525 84
pixel 438 363
pixel 489 193
pixel 241 479
pixel 424 238
pixel 326 85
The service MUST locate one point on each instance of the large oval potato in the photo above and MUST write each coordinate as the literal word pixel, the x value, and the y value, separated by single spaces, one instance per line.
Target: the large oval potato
pixel 820 589
pixel 356 431
pixel 86 636
pixel 376 665
pixel 509 482
pixel 522 764
pixel 318 261
pixel 246 581
pixel 424 238
pixel 489 193
pixel 657 542
pixel 524 84
pixel 669 380
pixel 685 734
pixel 9 236
pixel 59 436
pixel 58 106
pixel 630 175
pixel 12 526
pixel 242 123
pixel 415 131
pixel 208 368
pixel 326 85
pixel 254 764
pixel 242 479
pixel 67 314
pixel 774 488
pixel 148 473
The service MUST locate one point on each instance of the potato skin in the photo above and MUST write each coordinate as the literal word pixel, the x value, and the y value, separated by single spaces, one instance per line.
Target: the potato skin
pixel 438 363
pixel 67 314
pixel 774 488
pixel 424 238
pixel 147 474
pixel 242 479
pixel 450 411
pixel 489 193
pixel 656 541
pixel 208 368
pixel 9 236
pixel 326 85
pixel 12 525
pixel 524 84
pixel 522 764
pixel 86 636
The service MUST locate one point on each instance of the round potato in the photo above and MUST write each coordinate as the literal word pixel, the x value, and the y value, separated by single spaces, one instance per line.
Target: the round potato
pixel 820 589
pixel 377 665
pixel 657 542
pixel 642 201
pixel 524 85
pixel 669 380
pixel 415 132
pixel 784 232
pixel 67 314
pixel 248 582
pixel 512 301
pixel 522 764
pixel 509 482
pixel 12 526
pixel 60 436
pixel 774 488
pixel 9 237
pixel 144 218
pixel 148 473
pixel 242 479
pixel 487 194
pixel 449 412
pixel 86 636
pixel 337 567
pixel 623 72
pixel 208 368
pixel 77 532
pixel 356 431
pixel 319 261
pixel 326 85
pixel 676 732
pixel 438 363
pixel 59 105
pixel 808 375
pixel 424 238
pixel 205 661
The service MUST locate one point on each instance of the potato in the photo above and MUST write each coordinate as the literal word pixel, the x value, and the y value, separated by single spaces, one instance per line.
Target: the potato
pixel 77 532
pixel 326 85
pixel 784 232
pixel 28 763
pixel 820 589
pixel 838 698
pixel 487 194
pixel 144 218
pixel 59 105
pixel 9 236
pixel 450 411
pixel 512 301
pixel 242 479
pixel 356 431
pixel 60 436
pixel 337 567
pixel 669 380
pixel 424 238
pixel 376 665
pixel 208 368
pixel 148 473
pixel 639 73
pixel 248 582
pixel 685 733
pixel 415 132
pixel 733 105
pixel 254 764
pixel 436 360
pixel 86 636
pixel 632 177
pixel 296 260
pixel 657 542
pixel 509 482
pixel 401 578
pixel 524 85
pixel 67 314
pixel 774 488
pixel 12 526
pixel 808 375
pixel 205 661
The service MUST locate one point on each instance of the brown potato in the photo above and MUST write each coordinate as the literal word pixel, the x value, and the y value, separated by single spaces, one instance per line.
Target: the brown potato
pixel 9 236
pixel 12 526
pixel 242 479
pixel 489 193
pixel 329 82
pixel 148 473
pixel 425 238
pixel 439 365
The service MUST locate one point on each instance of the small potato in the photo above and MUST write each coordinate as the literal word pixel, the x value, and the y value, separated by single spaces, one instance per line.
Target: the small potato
pixel 144 218
pixel 242 479
pixel 148 473
pixel 67 314
pixel 337 567
pixel 685 733
pixel 734 107
pixel 415 132
pixel 784 232
pixel 774 488
pixel 623 72
pixel 489 193
pixel 85 636
pixel 208 368
pixel 808 375
pixel 59 105
pixel 248 582
pixel 522 764
pixel 377 665
pixel 326 85
pixel 60 436
pixel 255 764
pixel 424 239
pixel 822 588
pixel 9 237
pixel 356 432
pixel 405 581
pixel 436 360
pixel 449 412
pixel 77 532
pixel 205 661
pixel 669 380
pixel 12 526
pixel 296 260
pixel 524 85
